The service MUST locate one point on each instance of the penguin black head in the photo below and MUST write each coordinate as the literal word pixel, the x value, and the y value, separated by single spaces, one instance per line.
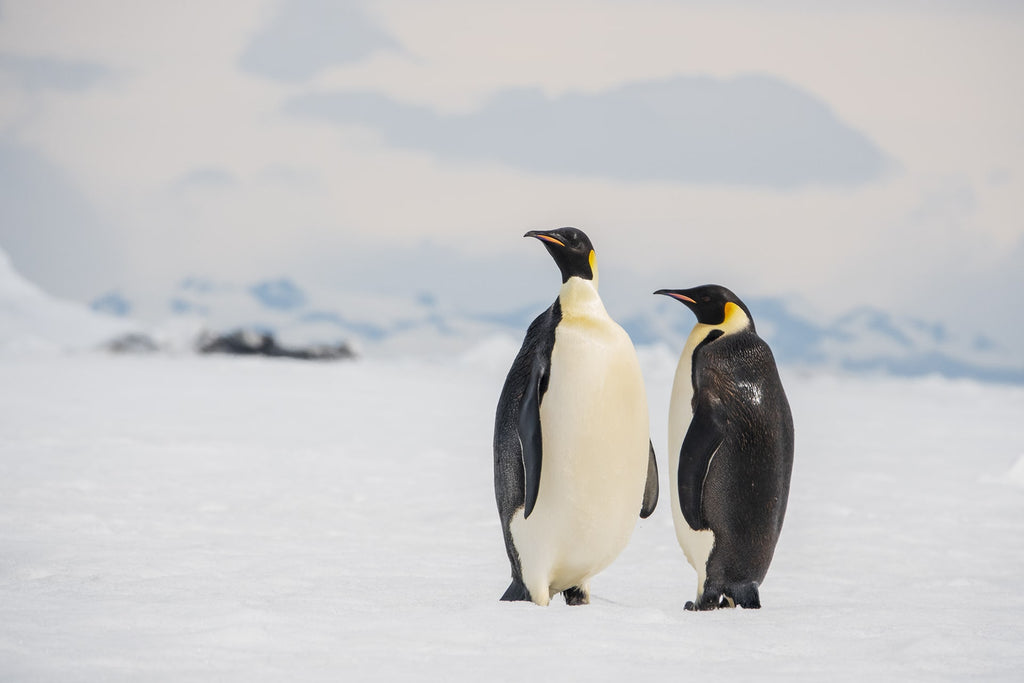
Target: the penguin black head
pixel 712 304
pixel 572 251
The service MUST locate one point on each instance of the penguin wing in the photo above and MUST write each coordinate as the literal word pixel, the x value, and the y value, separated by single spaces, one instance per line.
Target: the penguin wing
pixel 702 440
pixel 651 488
pixel 530 433
pixel 517 432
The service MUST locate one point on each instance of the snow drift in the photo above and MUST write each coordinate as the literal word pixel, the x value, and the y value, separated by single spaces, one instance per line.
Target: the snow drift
pixel 31 320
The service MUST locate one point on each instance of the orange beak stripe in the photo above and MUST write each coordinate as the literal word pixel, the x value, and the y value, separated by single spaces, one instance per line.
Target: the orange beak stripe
pixel 548 238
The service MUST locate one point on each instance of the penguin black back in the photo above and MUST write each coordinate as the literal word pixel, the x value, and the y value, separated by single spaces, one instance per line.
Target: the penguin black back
pixel 745 491
pixel 736 457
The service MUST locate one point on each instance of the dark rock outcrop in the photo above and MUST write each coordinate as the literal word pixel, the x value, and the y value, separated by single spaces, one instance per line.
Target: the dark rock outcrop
pixel 132 342
pixel 251 343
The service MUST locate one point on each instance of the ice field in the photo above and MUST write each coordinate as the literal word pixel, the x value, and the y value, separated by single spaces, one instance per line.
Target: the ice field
pixel 194 518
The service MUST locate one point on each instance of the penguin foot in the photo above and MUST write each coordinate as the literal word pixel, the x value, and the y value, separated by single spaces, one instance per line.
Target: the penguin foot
pixel 710 599
pixel 515 592
pixel 577 595
pixel 744 594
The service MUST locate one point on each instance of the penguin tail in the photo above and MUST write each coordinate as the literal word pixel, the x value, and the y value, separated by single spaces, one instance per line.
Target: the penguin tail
pixel 515 592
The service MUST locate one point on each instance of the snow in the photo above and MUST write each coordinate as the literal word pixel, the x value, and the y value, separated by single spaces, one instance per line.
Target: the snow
pixel 33 322
pixel 184 518
pixel 1016 474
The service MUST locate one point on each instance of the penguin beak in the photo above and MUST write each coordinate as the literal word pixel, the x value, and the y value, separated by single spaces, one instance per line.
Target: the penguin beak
pixel 676 295
pixel 544 237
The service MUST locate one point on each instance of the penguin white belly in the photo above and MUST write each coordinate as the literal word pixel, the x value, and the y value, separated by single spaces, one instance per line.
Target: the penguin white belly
pixel 595 435
pixel 696 544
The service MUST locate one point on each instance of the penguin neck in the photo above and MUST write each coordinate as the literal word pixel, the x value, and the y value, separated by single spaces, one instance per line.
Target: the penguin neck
pixel 579 298
pixel 736 320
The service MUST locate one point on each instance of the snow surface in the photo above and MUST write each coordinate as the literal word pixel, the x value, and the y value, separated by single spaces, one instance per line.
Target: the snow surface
pixel 190 518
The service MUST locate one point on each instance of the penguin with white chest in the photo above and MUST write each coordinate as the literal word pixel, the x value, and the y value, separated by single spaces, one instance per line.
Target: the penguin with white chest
pixel 573 461
pixel 730 450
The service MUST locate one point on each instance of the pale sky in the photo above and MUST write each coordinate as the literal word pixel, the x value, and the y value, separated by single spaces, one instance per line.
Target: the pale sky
pixel 837 155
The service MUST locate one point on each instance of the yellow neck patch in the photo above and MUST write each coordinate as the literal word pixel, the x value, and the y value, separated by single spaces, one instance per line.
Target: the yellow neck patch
pixel 730 310
pixel 735 319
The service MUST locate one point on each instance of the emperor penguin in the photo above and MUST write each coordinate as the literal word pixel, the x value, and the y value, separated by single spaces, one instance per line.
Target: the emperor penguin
pixel 573 462
pixel 730 450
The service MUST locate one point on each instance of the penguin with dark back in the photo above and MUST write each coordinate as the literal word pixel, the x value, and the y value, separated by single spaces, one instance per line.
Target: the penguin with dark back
pixel 573 461
pixel 730 450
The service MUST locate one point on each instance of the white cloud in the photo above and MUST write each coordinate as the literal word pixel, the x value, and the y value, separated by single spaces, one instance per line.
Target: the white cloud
pixel 307 36
pixel 747 131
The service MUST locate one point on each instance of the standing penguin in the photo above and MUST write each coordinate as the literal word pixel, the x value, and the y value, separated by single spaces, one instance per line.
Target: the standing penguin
pixel 573 461
pixel 730 450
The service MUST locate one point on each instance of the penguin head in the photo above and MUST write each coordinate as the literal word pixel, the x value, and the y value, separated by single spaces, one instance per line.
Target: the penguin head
pixel 712 304
pixel 572 251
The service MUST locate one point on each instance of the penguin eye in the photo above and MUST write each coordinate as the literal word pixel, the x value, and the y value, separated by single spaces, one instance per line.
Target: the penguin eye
pixel 706 299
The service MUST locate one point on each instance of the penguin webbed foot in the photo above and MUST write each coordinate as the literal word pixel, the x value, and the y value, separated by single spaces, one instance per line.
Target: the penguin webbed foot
pixel 706 603
pixel 577 595
pixel 712 598
pixel 516 592
pixel 744 595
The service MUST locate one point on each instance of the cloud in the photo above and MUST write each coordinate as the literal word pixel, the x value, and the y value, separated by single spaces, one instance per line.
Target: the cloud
pixel 57 74
pixel 307 36
pixel 206 177
pixel 747 131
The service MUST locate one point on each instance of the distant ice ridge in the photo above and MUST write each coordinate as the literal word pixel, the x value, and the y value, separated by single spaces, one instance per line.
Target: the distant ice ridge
pixel 369 322
pixel 32 321
pixel 864 340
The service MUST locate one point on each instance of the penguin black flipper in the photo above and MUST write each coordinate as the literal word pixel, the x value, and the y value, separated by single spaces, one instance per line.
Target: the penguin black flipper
pixel 701 442
pixel 651 488
pixel 509 443
pixel 530 433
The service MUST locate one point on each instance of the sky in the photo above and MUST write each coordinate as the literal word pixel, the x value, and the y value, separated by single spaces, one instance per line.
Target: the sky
pixel 832 155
